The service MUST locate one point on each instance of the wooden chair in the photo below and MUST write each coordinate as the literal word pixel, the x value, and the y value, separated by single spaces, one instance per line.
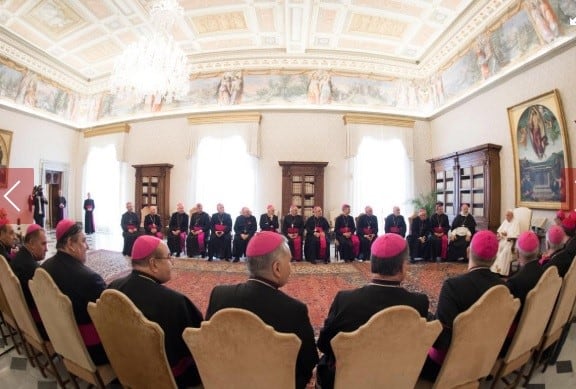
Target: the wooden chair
pixel 387 351
pixel 134 345
pixel 262 358
pixel 34 345
pixel 535 315
pixel 561 317
pixel 7 319
pixel 57 316
pixel 477 337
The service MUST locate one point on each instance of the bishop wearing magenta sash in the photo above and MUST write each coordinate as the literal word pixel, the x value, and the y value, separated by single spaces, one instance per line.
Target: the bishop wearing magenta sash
pixel 345 230
pixel 293 229
pixel 317 246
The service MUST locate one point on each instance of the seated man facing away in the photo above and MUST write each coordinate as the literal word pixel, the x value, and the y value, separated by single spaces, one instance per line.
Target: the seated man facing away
pixel 525 279
pixel 268 261
pixel 152 267
pixel 560 255
pixel 77 281
pixel 353 308
pixel 459 293
pixel 25 264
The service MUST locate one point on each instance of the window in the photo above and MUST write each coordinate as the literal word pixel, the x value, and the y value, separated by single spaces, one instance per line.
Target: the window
pixel 103 183
pixel 226 174
pixel 381 176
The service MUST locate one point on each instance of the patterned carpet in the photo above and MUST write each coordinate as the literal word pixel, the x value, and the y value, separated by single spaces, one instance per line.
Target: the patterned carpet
pixel 315 285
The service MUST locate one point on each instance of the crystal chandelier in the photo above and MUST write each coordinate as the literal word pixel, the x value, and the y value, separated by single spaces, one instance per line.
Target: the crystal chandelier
pixel 154 68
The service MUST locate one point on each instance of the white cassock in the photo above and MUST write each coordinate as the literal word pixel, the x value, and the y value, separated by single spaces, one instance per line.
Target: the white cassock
pixel 505 256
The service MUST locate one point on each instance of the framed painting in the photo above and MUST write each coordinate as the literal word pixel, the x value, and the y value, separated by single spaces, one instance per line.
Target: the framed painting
pixel 5 144
pixel 541 154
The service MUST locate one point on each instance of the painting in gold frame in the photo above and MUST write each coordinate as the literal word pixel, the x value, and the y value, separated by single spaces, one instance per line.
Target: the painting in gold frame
pixel 541 152
pixel 5 144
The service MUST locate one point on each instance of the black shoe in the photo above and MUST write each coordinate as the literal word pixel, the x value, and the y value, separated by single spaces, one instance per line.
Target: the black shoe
pixel 177 255
pixel 210 259
pixel 236 260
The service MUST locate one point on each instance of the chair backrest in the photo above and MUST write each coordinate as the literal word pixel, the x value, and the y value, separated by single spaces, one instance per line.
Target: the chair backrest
pixel 535 315
pixel 15 297
pixel 387 351
pixel 145 211
pixel 57 316
pixel 5 309
pixel 262 357
pixel 477 337
pixel 524 217
pixel 563 309
pixel 134 345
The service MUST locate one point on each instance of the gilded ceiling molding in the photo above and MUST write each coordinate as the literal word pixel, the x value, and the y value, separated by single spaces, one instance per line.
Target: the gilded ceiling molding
pixel 107 130
pixel 225 117
pixel 382 120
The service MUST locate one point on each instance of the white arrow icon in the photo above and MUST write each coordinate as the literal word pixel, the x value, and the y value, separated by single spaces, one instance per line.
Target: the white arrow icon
pixel 7 193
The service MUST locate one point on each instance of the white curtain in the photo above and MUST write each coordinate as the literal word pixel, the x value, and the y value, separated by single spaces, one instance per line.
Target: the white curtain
pixel 225 173
pixel 102 180
pixel 381 167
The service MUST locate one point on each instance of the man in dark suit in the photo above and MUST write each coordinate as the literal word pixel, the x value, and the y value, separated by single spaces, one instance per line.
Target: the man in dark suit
pixel 268 260
pixel 77 281
pixel 174 312
pixel 367 230
pixel 130 223
pixel 220 239
pixel 459 293
pixel 353 308
pixel 25 264
pixel 418 238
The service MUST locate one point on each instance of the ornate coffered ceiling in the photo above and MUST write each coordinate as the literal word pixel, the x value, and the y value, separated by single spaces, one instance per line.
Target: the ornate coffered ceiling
pixel 75 42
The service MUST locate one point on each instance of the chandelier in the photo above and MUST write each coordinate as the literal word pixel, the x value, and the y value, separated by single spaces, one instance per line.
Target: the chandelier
pixel 154 68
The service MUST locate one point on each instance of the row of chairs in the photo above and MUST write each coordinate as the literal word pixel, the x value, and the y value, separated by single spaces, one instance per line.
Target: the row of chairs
pixel 236 349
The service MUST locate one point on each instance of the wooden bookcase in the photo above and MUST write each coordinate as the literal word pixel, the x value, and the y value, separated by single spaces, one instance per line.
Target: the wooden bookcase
pixel 470 176
pixel 303 185
pixel 153 188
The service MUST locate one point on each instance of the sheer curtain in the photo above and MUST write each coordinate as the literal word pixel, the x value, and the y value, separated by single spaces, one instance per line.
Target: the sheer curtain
pixel 381 167
pixel 225 173
pixel 102 180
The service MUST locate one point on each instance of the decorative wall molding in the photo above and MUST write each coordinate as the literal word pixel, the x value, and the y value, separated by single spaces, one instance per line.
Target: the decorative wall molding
pixel 382 120
pixel 228 117
pixel 106 130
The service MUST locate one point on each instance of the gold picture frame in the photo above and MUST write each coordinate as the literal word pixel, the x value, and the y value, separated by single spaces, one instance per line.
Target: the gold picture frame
pixel 541 152
pixel 5 145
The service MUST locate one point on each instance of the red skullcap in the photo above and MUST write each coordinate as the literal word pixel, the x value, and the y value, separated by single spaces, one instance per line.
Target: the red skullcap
pixel 561 215
pixel 31 228
pixel 388 246
pixel 269 206
pixel 528 242
pixel 144 246
pixel 484 245
pixel 63 226
pixel 569 223
pixel 556 235
pixel 345 206
pixel 263 243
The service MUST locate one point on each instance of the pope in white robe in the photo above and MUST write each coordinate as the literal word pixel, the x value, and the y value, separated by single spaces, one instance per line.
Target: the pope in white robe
pixel 507 234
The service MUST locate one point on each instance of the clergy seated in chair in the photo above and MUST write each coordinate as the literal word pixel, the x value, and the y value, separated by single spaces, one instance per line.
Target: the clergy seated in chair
pixel 418 238
pixel 440 226
pixel 523 281
pixel 463 228
pixel 560 253
pixel 198 233
pixel 153 223
pixel 345 231
pixel 220 244
pixel 507 234
pixel 244 229
pixel 152 266
pixel 293 230
pixel 459 293
pixel 367 231
pixel 130 223
pixel 268 261
pixel 177 230
pixel 352 308
pixel 395 223
pixel 317 245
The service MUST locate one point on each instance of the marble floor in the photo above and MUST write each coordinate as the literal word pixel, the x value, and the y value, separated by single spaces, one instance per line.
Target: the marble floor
pixel 16 372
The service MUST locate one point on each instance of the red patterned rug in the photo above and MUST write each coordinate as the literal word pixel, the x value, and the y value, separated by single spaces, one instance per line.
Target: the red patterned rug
pixel 315 285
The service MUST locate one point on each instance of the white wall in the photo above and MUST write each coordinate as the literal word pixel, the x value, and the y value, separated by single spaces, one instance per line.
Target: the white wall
pixel 36 140
pixel 484 118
